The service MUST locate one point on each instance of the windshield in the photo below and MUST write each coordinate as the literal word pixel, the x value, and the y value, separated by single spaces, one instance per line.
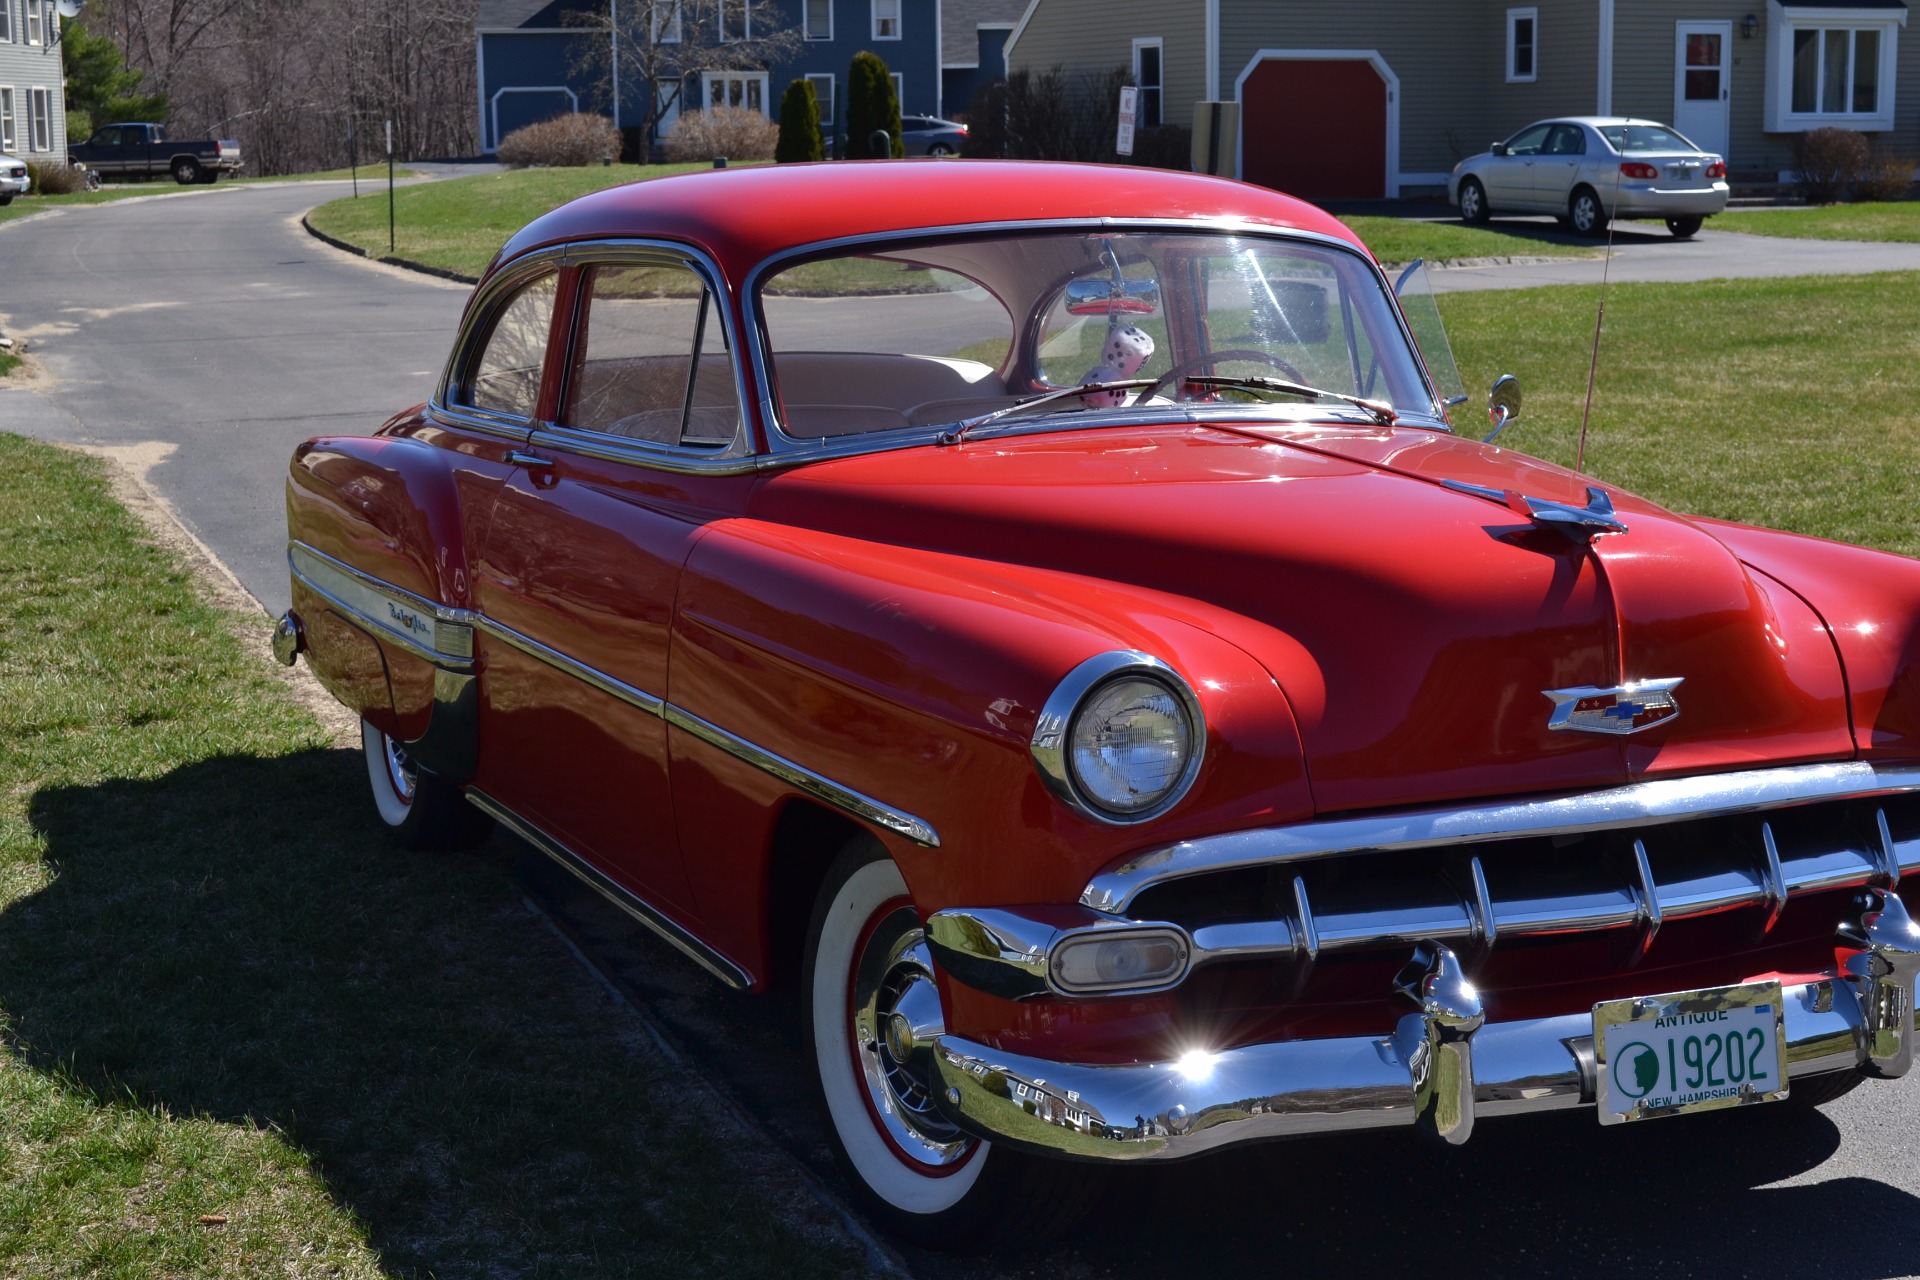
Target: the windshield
pixel 936 333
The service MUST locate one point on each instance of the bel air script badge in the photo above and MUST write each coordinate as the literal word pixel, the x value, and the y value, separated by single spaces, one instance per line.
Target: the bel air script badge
pixel 1626 708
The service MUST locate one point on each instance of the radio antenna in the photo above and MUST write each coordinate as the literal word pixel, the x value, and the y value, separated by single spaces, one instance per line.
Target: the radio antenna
pixel 1593 362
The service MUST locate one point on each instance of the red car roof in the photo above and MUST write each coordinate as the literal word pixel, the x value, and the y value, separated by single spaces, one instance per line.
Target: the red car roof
pixel 740 216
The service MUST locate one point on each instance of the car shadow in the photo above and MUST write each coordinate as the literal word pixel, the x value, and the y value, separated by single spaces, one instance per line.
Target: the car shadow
pixel 237 940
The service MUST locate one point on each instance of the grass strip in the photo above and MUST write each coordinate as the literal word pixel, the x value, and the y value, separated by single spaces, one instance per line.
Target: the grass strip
pixel 23 206
pixel 1785 402
pixel 459 224
pixel 242 1036
pixel 1897 221
pixel 1404 239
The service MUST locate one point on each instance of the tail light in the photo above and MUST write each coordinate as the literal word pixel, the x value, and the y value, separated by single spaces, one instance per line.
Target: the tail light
pixel 1718 169
pixel 1635 169
pixel 219 150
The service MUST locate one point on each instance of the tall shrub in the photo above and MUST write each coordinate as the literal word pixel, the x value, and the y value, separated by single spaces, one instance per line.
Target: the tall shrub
pixel 739 133
pixel 871 104
pixel 799 124
pixel 986 121
pixel 1828 159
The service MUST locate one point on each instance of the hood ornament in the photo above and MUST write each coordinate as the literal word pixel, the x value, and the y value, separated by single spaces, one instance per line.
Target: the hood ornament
pixel 1581 524
pixel 1626 708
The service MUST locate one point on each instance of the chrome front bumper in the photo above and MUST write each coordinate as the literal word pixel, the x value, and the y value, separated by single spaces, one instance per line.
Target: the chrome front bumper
pixel 1439 1068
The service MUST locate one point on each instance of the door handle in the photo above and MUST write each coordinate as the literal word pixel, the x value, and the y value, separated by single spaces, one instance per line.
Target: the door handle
pixel 528 459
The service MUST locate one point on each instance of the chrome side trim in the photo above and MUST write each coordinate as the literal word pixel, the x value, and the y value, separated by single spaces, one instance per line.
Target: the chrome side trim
pixel 647 702
pixel 424 628
pixel 619 895
pixel 1052 753
pixel 1204 1101
pixel 1641 803
pixel 865 807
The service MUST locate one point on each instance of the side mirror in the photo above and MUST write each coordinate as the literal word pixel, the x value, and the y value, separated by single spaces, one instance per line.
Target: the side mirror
pixel 1498 148
pixel 1503 404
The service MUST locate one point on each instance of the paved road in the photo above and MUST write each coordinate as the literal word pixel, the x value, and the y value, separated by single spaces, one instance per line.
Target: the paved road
pixel 210 322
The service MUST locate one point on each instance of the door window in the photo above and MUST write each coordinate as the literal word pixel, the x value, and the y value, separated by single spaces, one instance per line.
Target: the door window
pixel 654 364
pixel 506 377
pixel 1566 140
pixel 1702 82
pixel 1528 141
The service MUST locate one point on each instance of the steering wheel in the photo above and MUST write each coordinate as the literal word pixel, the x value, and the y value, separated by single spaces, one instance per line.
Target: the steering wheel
pixel 1189 367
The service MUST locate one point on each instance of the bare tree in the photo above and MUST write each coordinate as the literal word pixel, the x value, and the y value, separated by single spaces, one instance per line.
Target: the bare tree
pixel 658 46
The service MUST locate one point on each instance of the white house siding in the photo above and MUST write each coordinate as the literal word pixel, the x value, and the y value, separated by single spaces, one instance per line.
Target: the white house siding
pixel 25 67
pixel 1643 85
pixel 1098 35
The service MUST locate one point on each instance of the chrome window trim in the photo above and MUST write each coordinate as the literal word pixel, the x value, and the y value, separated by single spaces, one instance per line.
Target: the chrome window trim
pixel 424 628
pixel 1659 801
pixel 613 891
pixel 779 443
pixel 680 459
pixel 1050 750
pixel 481 311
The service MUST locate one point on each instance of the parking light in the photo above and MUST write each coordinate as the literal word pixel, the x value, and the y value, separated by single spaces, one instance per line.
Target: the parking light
pixel 1103 961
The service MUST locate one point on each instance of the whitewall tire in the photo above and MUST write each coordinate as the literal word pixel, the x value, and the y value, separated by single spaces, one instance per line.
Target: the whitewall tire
pixel 421 810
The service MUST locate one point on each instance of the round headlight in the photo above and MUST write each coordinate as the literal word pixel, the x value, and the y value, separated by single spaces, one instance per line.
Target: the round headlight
pixel 1130 744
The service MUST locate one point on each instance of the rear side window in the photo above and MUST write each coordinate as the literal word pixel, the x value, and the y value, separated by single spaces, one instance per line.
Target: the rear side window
pixel 653 362
pixel 505 378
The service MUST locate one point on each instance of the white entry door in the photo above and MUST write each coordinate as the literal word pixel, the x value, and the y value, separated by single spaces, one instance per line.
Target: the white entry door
pixel 1701 62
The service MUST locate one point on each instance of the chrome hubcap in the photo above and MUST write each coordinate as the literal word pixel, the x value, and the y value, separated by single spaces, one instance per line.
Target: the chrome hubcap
pixel 399 770
pixel 896 1018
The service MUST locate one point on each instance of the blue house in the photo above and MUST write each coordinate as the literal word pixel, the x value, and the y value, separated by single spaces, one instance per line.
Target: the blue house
pixel 530 53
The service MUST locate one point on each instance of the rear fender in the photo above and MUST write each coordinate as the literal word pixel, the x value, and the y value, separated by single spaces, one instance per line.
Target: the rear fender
pixel 914 680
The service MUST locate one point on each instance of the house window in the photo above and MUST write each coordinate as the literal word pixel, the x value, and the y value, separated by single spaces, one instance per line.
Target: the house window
pixel 1828 66
pixel 736 21
pixel 1523 40
pixel 745 89
pixel 886 19
pixel 1146 74
pixel 6 116
pixel 817 21
pixel 35 31
pixel 823 95
pixel 40 104
pixel 666 22
pixel 6 21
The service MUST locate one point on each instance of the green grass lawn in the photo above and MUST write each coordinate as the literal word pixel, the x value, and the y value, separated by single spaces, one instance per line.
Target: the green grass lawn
pixel 240 1035
pixel 368 173
pixel 1898 221
pixel 1404 239
pixel 1777 402
pixel 459 224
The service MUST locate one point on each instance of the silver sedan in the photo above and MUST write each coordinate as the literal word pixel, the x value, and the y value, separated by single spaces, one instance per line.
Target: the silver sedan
pixel 1586 170
pixel 13 178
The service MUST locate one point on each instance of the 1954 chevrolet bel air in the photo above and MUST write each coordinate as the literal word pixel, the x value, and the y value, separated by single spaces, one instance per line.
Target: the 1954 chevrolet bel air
pixel 1045 614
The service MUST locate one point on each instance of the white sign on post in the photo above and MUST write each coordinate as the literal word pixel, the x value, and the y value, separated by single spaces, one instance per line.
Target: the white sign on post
pixel 1129 105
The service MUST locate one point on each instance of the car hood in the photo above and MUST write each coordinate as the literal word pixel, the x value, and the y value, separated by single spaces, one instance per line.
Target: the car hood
pixel 1414 628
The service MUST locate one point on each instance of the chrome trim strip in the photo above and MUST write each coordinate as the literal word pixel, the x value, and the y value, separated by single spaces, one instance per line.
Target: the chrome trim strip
pixel 618 894
pixel 1052 753
pixel 647 702
pixel 1642 803
pixel 679 459
pixel 845 798
pixel 424 628
pixel 1204 1101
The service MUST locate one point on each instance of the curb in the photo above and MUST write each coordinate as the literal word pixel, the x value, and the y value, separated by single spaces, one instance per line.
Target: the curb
pixel 358 252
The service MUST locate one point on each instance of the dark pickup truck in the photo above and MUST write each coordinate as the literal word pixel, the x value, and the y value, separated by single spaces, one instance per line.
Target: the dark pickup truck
pixel 144 151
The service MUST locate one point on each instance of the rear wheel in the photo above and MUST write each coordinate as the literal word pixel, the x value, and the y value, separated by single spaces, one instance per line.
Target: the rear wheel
pixel 186 171
pixel 1683 227
pixel 421 810
pixel 872 1013
pixel 1585 214
pixel 1473 201
pixel 939 149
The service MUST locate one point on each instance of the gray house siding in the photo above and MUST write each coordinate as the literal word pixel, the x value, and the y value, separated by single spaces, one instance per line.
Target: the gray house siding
pixel 1093 37
pixel 31 73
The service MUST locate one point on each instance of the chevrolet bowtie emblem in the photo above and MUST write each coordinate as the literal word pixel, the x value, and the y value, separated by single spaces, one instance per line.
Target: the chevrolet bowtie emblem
pixel 1626 708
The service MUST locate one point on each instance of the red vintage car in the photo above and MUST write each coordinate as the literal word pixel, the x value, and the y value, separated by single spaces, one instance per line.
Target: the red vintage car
pixel 1047 615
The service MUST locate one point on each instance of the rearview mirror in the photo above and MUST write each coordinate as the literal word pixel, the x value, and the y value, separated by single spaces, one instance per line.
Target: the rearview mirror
pixel 1094 296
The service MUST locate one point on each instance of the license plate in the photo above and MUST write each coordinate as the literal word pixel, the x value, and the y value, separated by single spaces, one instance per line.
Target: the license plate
pixel 1690 1051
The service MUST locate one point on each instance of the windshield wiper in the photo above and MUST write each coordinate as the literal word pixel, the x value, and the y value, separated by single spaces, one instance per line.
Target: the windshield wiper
pixel 958 431
pixel 1382 413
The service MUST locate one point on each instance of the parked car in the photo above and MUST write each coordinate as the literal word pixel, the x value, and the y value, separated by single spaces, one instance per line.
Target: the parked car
pixel 14 180
pixel 1589 169
pixel 932 136
pixel 145 151
pixel 1053 619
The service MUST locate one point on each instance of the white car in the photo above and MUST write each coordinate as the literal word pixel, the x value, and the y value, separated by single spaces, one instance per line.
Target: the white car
pixel 1586 170
pixel 13 178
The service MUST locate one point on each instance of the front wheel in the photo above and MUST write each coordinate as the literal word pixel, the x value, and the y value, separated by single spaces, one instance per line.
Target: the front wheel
pixel 1683 227
pixel 939 149
pixel 1473 202
pixel 1585 214
pixel 421 810
pixel 872 1014
pixel 186 171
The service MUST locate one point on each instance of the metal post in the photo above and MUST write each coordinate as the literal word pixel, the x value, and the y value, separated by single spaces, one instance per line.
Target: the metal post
pixel 390 248
pixel 353 154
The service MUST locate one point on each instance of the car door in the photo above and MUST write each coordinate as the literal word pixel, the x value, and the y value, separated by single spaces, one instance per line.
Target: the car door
pixel 1557 167
pixel 1510 177
pixel 583 556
